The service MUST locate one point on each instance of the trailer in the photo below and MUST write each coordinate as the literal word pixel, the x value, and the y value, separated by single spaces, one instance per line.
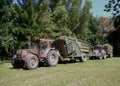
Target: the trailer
pixel 50 52
pixel 71 49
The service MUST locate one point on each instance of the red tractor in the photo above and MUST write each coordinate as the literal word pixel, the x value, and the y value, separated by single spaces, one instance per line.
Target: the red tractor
pixel 99 52
pixel 40 51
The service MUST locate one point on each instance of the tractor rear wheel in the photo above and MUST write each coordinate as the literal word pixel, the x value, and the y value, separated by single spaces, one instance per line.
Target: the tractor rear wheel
pixel 52 58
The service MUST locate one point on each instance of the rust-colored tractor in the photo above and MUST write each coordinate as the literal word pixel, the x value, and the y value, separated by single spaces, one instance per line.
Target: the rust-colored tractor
pixel 39 52
pixel 98 52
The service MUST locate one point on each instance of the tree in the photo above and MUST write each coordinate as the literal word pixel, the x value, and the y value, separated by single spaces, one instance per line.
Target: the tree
pixel 106 26
pixel 114 7
pixel 27 19
pixel 85 18
pixel 6 26
pixel 74 8
pixel 94 37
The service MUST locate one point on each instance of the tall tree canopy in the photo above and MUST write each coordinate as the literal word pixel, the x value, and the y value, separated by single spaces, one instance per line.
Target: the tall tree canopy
pixel 113 6
pixel 24 19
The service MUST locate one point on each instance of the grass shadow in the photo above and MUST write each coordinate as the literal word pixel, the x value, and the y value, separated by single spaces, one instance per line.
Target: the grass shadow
pixel 68 62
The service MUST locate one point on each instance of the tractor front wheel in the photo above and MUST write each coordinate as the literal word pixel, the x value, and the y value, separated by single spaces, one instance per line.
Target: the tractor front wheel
pixel 17 64
pixel 31 62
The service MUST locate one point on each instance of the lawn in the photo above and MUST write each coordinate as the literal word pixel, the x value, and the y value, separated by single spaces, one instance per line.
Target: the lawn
pixel 90 73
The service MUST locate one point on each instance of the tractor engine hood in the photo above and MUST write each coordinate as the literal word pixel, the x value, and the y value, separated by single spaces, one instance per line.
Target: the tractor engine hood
pixel 23 53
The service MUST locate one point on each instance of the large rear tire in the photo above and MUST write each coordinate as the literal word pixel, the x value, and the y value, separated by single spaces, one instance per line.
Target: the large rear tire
pixel 31 62
pixel 52 58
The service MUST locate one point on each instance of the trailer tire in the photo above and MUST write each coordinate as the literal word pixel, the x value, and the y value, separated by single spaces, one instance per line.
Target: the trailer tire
pixel 111 55
pixel 31 62
pixel 100 57
pixel 52 58
pixel 83 58
pixel 104 56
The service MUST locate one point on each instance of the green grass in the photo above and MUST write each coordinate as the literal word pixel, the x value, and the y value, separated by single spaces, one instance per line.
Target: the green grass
pixel 90 73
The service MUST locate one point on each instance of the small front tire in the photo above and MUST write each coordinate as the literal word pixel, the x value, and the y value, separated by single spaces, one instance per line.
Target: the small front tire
pixel 17 64
pixel 31 62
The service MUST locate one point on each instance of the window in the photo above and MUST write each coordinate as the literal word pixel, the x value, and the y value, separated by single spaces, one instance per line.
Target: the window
pixel 34 44
pixel 44 45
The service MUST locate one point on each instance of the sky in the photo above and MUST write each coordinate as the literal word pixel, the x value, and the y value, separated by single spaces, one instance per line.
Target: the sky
pixel 98 8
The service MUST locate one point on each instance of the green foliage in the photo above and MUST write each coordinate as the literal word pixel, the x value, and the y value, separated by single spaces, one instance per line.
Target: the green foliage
pixel 93 36
pixel 74 14
pixel 113 6
pixel 6 41
pixel 45 19
pixel 85 18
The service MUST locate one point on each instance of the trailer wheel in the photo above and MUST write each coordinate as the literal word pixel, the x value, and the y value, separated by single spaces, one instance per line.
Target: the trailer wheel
pixel 83 58
pixel 52 58
pixel 31 62
pixel 100 57
pixel 104 56
pixel 111 55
